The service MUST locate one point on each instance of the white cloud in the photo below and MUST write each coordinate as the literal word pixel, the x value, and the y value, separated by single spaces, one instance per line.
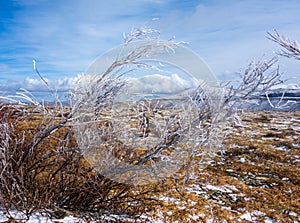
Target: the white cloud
pixel 33 84
pixel 154 83
pixel 60 84
pixel 158 84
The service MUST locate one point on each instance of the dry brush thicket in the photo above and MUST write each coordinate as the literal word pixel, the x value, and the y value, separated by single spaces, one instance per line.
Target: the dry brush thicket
pixel 53 178
pixel 42 168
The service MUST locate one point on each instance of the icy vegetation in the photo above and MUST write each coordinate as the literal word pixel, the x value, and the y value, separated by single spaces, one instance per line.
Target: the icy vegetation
pixel 234 164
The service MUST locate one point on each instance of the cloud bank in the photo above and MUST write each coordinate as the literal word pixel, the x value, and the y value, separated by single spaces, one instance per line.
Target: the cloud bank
pixel 158 84
pixel 37 85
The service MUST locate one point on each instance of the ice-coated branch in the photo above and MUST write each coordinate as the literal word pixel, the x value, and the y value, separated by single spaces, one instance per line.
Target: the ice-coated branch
pixel 92 90
pixel 292 49
pixel 256 79
pixel 140 34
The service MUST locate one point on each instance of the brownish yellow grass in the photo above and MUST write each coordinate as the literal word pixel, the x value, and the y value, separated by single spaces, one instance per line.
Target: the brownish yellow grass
pixel 258 174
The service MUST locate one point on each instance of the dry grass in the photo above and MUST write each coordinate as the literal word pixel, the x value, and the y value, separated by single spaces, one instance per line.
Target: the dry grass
pixel 258 175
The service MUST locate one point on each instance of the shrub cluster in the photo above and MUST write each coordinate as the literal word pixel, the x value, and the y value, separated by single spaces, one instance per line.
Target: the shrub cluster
pixel 52 177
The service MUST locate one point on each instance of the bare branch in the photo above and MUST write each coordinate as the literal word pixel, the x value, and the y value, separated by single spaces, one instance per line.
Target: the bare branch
pixel 255 81
pixel 292 49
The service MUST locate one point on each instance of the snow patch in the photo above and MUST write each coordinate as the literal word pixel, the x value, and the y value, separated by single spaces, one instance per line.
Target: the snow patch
pixel 246 216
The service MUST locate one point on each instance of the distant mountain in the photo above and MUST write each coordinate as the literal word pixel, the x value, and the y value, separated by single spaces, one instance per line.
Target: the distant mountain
pixel 277 99
pixel 286 93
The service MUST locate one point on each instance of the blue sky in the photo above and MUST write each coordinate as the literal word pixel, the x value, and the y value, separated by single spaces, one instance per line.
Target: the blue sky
pixel 64 37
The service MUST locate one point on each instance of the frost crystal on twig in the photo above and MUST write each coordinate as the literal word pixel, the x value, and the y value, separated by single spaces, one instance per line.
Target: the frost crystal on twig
pixel 292 49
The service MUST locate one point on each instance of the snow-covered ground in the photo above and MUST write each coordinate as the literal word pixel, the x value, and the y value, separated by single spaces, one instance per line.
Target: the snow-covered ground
pixel 36 218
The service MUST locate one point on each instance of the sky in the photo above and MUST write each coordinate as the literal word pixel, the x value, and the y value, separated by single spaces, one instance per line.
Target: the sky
pixel 65 37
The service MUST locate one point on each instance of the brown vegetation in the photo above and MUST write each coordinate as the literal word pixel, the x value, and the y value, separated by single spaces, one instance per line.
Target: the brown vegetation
pixel 53 178
pixel 258 175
